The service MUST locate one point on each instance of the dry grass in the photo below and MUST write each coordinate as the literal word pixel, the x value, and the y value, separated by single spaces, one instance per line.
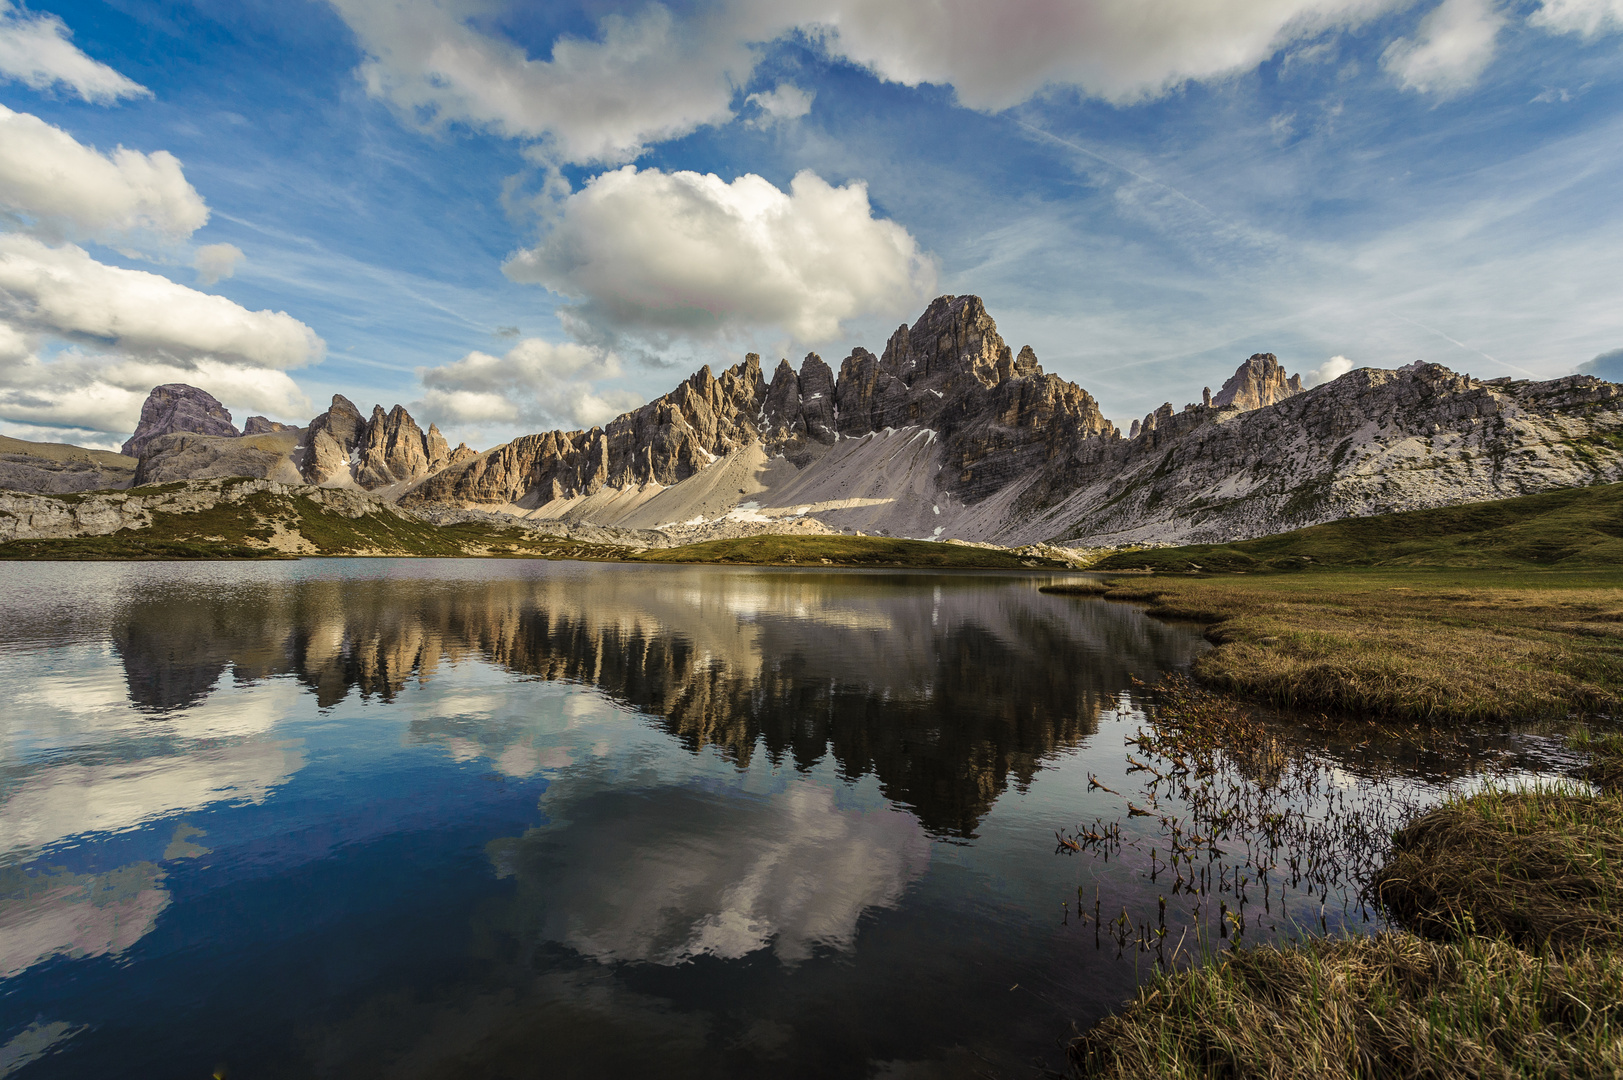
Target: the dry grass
pixel 1541 866
pixel 1419 645
pixel 1392 1005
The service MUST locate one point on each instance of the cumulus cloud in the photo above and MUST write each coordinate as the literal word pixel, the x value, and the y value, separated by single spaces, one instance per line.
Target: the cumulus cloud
pixel 127 331
pixel 35 51
pixel 656 254
pixel 1329 371
pixel 641 79
pixel 64 292
pixel 1449 51
pixel 653 76
pixel 78 391
pixel 538 381
pixel 1586 18
pixel 782 103
pixel 216 262
pixel 55 186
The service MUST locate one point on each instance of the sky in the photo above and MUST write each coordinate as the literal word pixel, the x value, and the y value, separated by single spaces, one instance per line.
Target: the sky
pixel 513 216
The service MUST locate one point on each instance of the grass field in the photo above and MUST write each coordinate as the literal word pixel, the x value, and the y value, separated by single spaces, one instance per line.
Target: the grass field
pixel 1570 528
pixel 1424 645
pixel 772 550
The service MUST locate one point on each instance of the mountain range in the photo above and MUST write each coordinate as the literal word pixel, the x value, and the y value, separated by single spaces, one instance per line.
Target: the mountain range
pixel 949 433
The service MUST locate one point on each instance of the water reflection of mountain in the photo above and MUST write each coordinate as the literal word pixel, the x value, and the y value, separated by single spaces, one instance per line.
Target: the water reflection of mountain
pixel 945 688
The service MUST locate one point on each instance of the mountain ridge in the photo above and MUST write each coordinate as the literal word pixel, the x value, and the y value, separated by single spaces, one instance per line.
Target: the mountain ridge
pixel 949 433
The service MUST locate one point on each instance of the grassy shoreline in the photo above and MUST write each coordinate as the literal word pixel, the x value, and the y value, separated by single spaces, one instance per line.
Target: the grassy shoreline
pixel 1505 958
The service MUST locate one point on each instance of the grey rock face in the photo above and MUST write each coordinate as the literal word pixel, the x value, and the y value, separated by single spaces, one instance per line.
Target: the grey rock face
pixel 1370 442
pixel 57 468
pixel 178 407
pixel 998 414
pixel 259 425
pixel 331 440
pixel 183 455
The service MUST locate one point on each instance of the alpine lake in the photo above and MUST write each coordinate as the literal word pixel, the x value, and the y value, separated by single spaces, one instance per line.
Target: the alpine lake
pixel 484 818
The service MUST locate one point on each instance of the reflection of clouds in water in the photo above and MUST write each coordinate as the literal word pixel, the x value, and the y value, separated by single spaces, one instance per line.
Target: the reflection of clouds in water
pixel 666 875
pixel 32 1043
pixel 86 701
pixel 521 729
pixel 114 768
pixel 76 915
pixel 57 913
pixel 806 600
pixel 60 801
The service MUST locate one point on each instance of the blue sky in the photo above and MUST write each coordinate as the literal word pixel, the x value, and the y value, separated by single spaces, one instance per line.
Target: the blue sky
pixel 512 216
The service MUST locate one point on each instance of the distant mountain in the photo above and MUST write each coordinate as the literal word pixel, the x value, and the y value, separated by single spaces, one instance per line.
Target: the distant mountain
pixel 58 468
pixel 950 433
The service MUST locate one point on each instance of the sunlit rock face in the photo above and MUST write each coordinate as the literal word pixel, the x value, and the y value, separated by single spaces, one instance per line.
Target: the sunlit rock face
pixel 998 416
pixel 1260 381
pixel 389 450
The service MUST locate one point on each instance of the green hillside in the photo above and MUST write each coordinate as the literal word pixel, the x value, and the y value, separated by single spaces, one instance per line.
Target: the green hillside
pixel 773 550
pixel 1572 528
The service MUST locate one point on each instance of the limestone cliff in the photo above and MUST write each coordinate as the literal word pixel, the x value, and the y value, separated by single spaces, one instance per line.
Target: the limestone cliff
pixel 178 407
pixel 997 415
pixel 1370 442
pixel 388 450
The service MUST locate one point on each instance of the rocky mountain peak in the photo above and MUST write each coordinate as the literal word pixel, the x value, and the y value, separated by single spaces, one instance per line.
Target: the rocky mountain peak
pixel 1258 382
pixel 176 407
pixel 260 425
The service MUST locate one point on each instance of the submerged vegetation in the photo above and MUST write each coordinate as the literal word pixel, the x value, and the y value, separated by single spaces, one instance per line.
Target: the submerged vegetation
pixel 1505 906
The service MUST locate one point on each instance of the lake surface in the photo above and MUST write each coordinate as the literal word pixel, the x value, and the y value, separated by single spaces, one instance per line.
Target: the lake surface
pixel 507 819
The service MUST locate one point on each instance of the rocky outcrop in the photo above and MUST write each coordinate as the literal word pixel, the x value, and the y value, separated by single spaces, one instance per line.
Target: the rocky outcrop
pixel 177 407
pixel 259 425
pixel 388 450
pixel 1371 442
pixel 58 468
pixel 665 442
pixel 1259 382
pixel 185 456
pixel 997 415
pixel 330 441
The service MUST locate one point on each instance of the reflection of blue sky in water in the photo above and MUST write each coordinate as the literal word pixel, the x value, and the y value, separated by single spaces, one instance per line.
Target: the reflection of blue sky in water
pixel 610 771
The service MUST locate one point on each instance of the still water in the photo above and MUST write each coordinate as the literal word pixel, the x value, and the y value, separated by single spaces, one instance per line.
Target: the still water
pixel 487 819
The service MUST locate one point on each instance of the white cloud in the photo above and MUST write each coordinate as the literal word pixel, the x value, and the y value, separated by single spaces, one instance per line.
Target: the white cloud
pixel 77 391
pixel 1449 51
pixel 998 55
pixel 655 254
pixel 654 76
pixel 1329 371
pixel 645 78
pixel 64 292
pixel 35 51
pixel 536 381
pixel 782 103
pixel 58 187
pixel 216 262
pixel 1587 18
